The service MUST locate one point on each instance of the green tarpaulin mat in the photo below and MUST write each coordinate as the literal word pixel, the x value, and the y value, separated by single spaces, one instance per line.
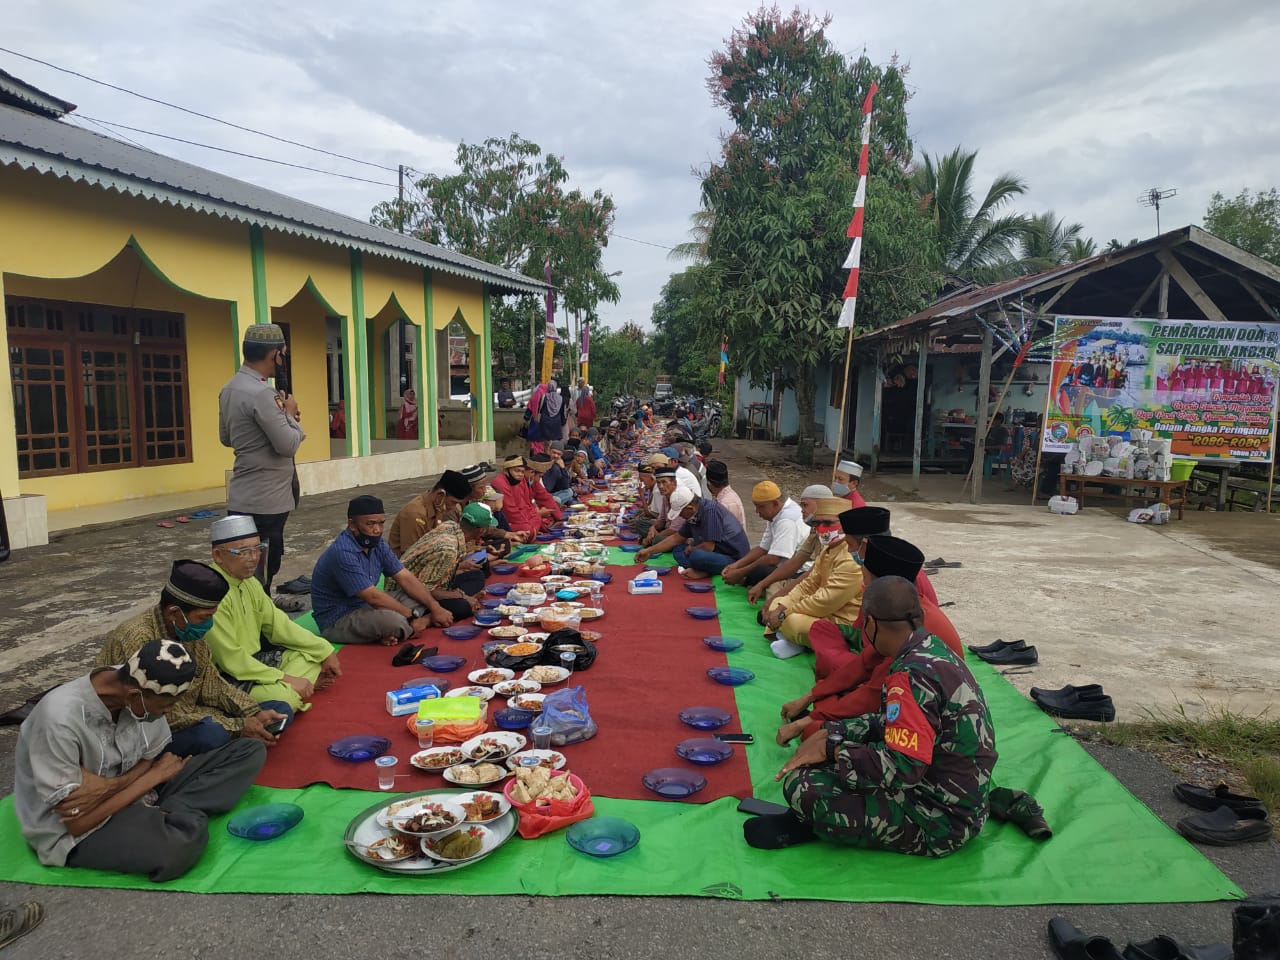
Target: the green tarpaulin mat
pixel 1107 847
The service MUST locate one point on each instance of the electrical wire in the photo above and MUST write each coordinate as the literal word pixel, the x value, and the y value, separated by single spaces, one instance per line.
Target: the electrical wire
pixel 197 113
pixel 236 153
pixel 647 243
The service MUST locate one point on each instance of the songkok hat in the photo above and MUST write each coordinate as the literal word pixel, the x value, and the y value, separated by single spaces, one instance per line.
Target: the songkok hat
pixel 893 557
pixel 851 467
pixel 556 445
pixel 515 460
pixel 816 491
pixel 490 495
pixel 646 469
pixel 668 472
pixel 865 521
pixel 474 473
pixel 614 423
pixel 163 667
pixel 235 527
pixel 454 484
pixel 268 333
pixel 658 460
pixel 478 515
pixel 829 507
pixel 680 499
pixel 196 584
pixel 365 506
pixel 539 462
pixel 717 472
pixel 671 453
pixel 685 452
pixel 766 491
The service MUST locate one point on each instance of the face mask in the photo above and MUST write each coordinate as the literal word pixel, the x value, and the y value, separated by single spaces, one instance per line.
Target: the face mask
pixel 871 637
pixel 856 558
pixel 145 716
pixel 193 631
pixel 366 540
pixel 830 537
pixel 840 489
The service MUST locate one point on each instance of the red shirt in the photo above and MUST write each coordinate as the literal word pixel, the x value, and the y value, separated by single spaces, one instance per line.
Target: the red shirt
pixel 855 498
pixel 518 505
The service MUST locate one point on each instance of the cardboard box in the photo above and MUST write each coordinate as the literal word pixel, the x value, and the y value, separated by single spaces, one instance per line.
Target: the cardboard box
pixel 405 700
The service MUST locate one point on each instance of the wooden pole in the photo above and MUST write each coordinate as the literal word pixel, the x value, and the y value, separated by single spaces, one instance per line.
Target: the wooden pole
pixel 1271 477
pixel 877 398
pixel 841 432
pixel 984 404
pixel 915 448
pixel 983 439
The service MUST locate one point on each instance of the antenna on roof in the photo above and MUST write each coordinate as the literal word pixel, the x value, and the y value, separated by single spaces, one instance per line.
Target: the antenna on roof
pixel 1152 198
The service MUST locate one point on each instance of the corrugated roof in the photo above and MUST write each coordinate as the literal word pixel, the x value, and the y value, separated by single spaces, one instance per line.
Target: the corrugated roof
pixel 29 97
pixel 34 142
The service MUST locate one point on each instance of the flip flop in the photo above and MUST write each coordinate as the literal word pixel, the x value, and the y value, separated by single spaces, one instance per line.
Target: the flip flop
pixel 165 523
pixel 16 924
pixel 205 514
pixel 939 564
pixel 183 519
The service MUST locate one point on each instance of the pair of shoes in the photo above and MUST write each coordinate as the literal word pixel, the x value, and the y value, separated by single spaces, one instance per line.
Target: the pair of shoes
pixel 1226 826
pixel 939 564
pixel 1203 798
pixel 412 653
pixel 1255 927
pixel 20 713
pixel 997 645
pixel 1022 810
pixel 1070 943
pixel 16 924
pixel 773 831
pixel 296 585
pixel 1017 653
pixel 292 602
pixel 1076 703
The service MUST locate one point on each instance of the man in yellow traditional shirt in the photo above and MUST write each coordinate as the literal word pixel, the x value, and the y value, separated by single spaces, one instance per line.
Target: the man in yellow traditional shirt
pixel 831 590
pixel 253 642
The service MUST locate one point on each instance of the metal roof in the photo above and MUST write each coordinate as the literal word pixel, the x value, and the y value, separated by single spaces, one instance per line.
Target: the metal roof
pixel 34 142
pixel 23 95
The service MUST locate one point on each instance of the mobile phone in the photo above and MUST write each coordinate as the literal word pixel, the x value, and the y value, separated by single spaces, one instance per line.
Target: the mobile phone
pixel 734 737
pixel 275 728
pixel 764 807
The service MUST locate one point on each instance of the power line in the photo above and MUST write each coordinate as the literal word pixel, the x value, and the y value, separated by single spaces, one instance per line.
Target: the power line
pixel 236 153
pixel 108 131
pixel 647 243
pixel 197 113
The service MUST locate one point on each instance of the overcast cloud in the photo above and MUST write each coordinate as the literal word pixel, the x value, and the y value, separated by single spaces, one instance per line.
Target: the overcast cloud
pixel 1091 102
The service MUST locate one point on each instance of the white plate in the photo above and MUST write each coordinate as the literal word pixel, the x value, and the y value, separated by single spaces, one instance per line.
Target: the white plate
pixel 590 613
pixel 452 774
pixel 445 804
pixel 421 758
pixel 527 702
pixel 587 585
pixel 555 578
pixel 488 843
pixel 475 675
pixel 569 606
pixel 366 829
pixel 503 803
pixel 387 813
pixel 511 688
pixel 484 693
pixel 371 851
pixel 561 674
pixel 554 759
pixel 1093 468
pixel 536 636
pixel 507 633
pixel 509 740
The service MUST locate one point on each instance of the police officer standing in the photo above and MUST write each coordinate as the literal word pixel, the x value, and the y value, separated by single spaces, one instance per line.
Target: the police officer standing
pixel 260 423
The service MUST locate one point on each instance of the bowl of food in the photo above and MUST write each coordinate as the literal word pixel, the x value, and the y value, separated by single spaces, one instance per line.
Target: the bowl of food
pixel 460 846
pixel 507 633
pixel 482 806
pixel 522 649
pixel 513 688
pixel 476 774
pixel 430 817
pixel 491 675
pixel 543 675
pixel 528 701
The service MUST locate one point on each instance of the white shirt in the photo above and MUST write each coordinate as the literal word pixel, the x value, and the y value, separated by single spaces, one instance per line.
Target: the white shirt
pixel 784 534
pixel 689 480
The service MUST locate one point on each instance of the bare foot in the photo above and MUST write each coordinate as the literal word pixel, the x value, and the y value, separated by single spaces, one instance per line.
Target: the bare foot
pixel 691 574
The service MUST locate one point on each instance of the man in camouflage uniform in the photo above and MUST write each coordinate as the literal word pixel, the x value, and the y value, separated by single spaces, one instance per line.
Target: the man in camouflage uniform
pixel 915 777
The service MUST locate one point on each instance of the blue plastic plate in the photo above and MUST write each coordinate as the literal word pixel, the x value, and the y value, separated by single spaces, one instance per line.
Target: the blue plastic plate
pixel 492 604
pixel 702 613
pixel 265 822
pixel 488 618
pixel 512 719
pixel 443 684
pixel 673 783
pixel 504 568
pixel 628 535
pixel 443 663
pixel 730 676
pixel 699 586
pixel 703 751
pixel 705 718
pixel 462 631
pixel 722 643
pixel 630 548
pixel 660 571
pixel 498 589
pixel 602 576
pixel 603 836
pixel 361 747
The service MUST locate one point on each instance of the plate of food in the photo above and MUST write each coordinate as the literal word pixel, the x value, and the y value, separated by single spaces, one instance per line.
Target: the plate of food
pixel 370 827
pixel 551 759
pixel 555 579
pixel 430 817
pixel 476 774
pixel 587 585
pixel 435 759
pixel 461 846
pixel 547 675
pixel 507 633
pixel 474 690
pixel 590 613
pixel 494 746
pixel 509 609
pixel 491 675
pixel 522 649
pixel 393 847
pixel 528 701
pixel 513 688
pixel 482 806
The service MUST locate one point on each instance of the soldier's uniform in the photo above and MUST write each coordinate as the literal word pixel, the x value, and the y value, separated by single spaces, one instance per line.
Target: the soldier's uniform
pixel 914 778
pixel 253 422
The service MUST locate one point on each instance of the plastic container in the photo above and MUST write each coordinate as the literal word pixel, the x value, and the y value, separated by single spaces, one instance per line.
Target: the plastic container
pixel 1181 469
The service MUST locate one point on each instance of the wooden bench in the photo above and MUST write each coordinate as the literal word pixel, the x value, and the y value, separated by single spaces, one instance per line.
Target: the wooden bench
pixel 1171 492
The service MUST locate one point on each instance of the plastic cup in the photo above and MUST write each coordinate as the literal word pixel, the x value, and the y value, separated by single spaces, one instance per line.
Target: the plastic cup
pixel 541 734
pixel 567 660
pixel 426 731
pixel 386 772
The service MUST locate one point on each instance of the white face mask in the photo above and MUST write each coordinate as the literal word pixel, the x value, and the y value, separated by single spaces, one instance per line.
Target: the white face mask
pixel 145 716
pixel 840 489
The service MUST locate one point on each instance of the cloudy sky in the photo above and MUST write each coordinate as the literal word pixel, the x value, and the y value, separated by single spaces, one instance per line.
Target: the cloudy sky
pixel 1091 101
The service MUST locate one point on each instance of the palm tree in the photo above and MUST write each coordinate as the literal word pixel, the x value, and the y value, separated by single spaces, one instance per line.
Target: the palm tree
pixel 970 238
pixel 1049 242
pixel 1081 249
pixel 700 230
pixel 1115 246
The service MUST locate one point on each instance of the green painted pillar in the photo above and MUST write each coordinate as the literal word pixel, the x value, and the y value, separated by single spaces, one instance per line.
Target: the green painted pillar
pixel 484 395
pixel 358 409
pixel 430 405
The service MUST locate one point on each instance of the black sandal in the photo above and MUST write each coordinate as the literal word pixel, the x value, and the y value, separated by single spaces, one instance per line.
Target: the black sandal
pixel 16 924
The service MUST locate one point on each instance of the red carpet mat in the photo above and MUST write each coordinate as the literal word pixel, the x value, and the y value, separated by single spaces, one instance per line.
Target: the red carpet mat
pixel 652 664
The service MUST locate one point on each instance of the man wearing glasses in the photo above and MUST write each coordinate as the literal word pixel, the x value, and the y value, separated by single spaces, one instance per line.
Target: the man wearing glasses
pixel 253 642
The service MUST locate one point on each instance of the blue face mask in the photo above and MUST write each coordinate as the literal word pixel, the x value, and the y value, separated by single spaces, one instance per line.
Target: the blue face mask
pixel 840 489
pixel 193 631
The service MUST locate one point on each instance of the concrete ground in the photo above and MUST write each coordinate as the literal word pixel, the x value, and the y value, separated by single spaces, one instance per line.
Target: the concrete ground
pixel 1160 616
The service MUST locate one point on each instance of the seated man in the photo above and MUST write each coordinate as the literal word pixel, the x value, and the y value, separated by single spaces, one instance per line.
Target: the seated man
pixel 684 476
pixel 92 755
pixel 829 591
pixel 556 481
pixel 349 606
pixel 784 531
pixel 518 504
pixel 849 671
pixel 718 487
pixel 506 399
pixel 709 539
pixel 253 642
pixel 424 511
pixel 862 522
pixel 501 533
pixel 913 776
pixel 687 457
pixel 787 574
pixel 646 513
pixel 847 480
pixel 440 561
pixel 210 711
pixel 478 476
pixel 536 467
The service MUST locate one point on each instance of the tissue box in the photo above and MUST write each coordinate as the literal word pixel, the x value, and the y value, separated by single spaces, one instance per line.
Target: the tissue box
pixel 644 586
pixel 405 701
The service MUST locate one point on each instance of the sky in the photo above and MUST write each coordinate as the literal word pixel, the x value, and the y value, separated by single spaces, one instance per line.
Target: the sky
pixel 1091 102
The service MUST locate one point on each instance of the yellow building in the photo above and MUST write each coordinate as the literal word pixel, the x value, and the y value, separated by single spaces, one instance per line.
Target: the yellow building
pixel 128 279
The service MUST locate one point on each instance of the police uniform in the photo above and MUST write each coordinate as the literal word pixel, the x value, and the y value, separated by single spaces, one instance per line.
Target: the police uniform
pixel 915 777
pixel 253 422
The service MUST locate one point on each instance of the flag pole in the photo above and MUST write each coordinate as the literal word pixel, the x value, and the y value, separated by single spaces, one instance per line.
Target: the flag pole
pixel 852 263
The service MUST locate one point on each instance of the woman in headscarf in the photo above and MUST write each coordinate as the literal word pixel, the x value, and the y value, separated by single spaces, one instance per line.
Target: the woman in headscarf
pixel 533 419
pixel 552 413
pixel 407 428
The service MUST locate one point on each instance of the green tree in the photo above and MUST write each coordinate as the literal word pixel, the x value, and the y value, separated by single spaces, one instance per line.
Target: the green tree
pixel 781 195
pixel 1249 220
pixel 973 239
pixel 509 204
pixel 622 362
pixel 684 346
pixel 1049 242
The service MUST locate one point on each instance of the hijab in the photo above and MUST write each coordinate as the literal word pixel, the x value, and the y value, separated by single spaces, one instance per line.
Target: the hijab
pixel 552 401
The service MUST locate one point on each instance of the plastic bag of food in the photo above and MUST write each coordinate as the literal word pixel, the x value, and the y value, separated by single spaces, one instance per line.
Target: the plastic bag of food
pixel 566 712
pixel 548 800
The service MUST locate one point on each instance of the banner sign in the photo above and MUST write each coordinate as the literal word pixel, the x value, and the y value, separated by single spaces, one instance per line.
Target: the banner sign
pixel 1210 388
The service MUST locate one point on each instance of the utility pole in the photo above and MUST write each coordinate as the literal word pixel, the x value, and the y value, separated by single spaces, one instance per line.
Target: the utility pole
pixel 400 200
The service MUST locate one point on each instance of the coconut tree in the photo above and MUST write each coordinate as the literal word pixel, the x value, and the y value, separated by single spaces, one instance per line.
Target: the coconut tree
pixel 700 225
pixel 1050 242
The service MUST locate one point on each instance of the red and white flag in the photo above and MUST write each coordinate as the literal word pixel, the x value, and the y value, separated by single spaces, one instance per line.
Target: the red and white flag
pixel 854 260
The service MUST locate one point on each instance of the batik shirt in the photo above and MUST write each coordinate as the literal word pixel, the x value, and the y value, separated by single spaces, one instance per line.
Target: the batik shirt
pixel 434 558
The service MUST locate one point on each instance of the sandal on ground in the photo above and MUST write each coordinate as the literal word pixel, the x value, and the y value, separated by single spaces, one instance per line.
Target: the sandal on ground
pixel 16 924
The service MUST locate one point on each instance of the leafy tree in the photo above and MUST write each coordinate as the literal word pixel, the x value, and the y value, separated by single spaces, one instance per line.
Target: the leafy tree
pixel 695 249
pixel 1081 249
pixel 686 348
pixel 971 238
pixel 1249 220
pixel 1048 242
pixel 622 362
pixel 509 205
pixel 780 197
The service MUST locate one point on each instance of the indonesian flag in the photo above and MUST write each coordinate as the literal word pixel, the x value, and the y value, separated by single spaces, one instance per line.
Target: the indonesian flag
pixel 854 260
